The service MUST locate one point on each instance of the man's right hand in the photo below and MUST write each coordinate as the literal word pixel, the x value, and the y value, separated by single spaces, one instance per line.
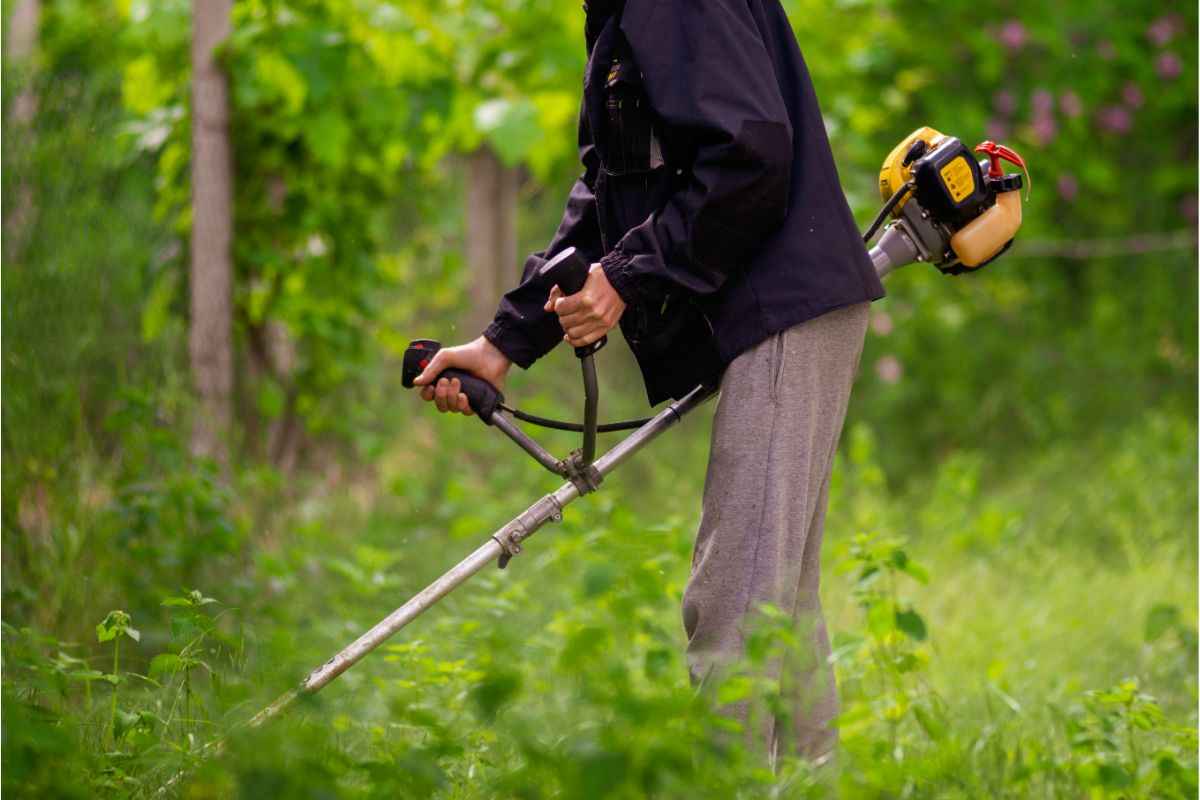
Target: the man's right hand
pixel 480 357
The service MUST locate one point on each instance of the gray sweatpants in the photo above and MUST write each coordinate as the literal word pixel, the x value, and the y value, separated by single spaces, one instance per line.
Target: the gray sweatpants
pixel 776 428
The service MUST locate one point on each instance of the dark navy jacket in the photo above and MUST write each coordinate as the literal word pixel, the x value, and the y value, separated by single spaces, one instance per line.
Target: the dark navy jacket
pixel 709 193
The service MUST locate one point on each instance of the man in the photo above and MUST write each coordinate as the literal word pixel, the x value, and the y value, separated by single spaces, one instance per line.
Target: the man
pixel 723 246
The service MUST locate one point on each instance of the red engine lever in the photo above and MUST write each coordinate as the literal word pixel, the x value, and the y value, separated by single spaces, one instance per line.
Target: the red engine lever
pixel 995 152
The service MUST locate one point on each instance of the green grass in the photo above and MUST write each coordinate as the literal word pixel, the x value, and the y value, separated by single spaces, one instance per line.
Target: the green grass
pixel 563 676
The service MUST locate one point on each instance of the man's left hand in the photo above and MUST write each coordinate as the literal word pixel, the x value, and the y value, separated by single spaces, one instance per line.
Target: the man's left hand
pixel 590 313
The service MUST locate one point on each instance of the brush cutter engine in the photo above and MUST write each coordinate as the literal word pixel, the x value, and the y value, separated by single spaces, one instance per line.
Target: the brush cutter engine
pixel 948 209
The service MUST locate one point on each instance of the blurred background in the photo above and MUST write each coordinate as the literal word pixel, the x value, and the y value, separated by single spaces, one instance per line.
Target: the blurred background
pixel 222 225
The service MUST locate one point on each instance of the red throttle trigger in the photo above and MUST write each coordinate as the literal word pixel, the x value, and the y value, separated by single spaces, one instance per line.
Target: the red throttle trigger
pixel 995 152
pixel 416 359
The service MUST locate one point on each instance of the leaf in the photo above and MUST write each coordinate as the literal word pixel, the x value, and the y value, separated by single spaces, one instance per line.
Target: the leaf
pixel 881 619
pixel 1113 776
pixel 869 574
pixel 114 624
pixel 911 623
pixel 1160 619
pixel 124 721
pixel 930 723
pixel 165 664
pixel 156 312
pixel 658 662
pixel 598 579
pixel 510 126
pixel 143 89
pixel 328 137
pixel 915 571
pixel 497 689
pixel 183 627
pixel 281 80
pixel 200 600
pixel 133 633
pixel 734 690
pixel 1007 698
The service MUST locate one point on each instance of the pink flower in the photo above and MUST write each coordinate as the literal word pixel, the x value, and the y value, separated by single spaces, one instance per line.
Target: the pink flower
pixel 1162 30
pixel 1005 102
pixel 1132 95
pixel 1044 129
pixel 996 130
pixel 1070 104
pixel 1012 34
pixel 1187 208
pixel 1169 66
pixel 1043 102
pixel 881 323
pixel 889 369
pixel 1107 50
pixel 1115 119
pixel 1068 187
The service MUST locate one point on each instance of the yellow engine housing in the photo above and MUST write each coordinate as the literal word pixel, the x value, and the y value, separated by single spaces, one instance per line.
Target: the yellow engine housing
pixel 895 173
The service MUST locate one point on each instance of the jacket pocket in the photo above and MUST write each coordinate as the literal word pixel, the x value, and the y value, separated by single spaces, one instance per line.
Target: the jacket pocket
pixel 674 345
pixel 631 139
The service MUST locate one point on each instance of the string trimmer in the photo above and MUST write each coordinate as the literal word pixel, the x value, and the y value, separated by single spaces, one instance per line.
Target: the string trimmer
pixel 947 209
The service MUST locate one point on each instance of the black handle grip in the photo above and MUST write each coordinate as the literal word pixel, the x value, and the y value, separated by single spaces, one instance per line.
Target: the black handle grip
pixel 483 397
pixel 569 271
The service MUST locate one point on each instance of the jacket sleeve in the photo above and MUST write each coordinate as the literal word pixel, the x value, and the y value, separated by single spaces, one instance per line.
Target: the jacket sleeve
pixel 711 82
pixel 521 329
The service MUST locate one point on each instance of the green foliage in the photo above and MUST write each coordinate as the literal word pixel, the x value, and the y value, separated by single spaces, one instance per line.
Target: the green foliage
pixel 339 111
pixel 1126 748
pixel 80 250
pixel 115 625
pixel 564 675
pixel 1010 558
pixel 1063 333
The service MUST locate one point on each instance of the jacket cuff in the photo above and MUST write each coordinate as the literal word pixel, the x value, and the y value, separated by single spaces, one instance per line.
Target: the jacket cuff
pixel 618 268
pixel 509 341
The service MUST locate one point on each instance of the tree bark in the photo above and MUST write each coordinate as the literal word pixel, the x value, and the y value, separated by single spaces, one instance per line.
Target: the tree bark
pixel 20 40
pixel 210 341
pixel 491 233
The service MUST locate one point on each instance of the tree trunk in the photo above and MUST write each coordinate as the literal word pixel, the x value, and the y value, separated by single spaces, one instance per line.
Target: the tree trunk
pixel 211 280
pixel 491 234
pixel 20 40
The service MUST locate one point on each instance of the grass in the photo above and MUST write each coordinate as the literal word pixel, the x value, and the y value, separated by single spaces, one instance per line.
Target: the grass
pixel 563 675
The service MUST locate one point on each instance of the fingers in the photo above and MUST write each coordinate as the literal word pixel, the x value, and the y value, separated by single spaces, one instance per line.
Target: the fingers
pixel 580 309
pixel 440 361
pixel 441 396
pixel 447 396
pixel 584 319
pixel 583 341
pixel 585 334
pixel 555 294
pixel 582 329
pixel 586 316
pixel 565 306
